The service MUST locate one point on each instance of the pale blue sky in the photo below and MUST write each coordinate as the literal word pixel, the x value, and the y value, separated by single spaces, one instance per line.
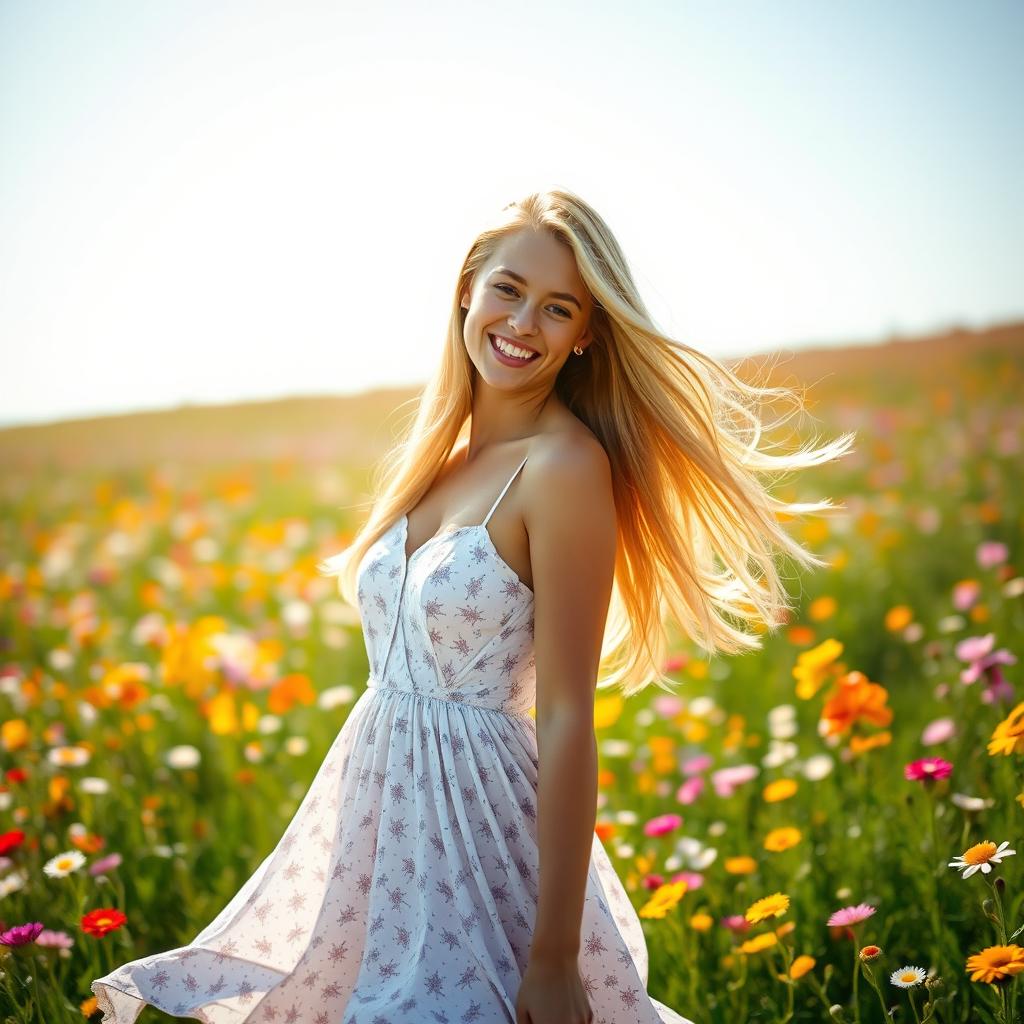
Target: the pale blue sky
pixel 206 201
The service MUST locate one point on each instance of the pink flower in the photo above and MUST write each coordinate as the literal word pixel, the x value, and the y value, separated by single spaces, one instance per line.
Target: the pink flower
pixel 736 923
pixel 691 878
pixel 690 789
pixel 850 915
pixel 668 705
pixel 991 553
pixel 653 881
pixel 108 863
pixel 966 594
pixel 939 731
pixel 727 780
pixel 662 825
pixel 983 661
pixel 698 763
pixel 21 934
pixel 56 940
pixel 926 769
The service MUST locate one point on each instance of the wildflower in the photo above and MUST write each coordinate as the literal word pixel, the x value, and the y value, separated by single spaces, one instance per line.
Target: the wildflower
pixel 662 825
pixel 926 769
pixel 108 863
pixel 966 594
pixel 908 977
pixel 973 804
pixel 21 934
pixel 996 963
pixel 54 940
pixel 726 780
pixel 1008 737
pixel 862 744
pixel 801 965
pixel 102 920
pixel 759 943
pixel 736 923
pixel 64 863
pixel 991 553
pixel 983 661
pixel 818 767
pixel 811 671
pixel 770 906
pixel 981 857
pixel 690 789
pixel 850 915
pixel 780 789
pixel 780 839
pixel 939 731
pixel 740 865
pixel 869 953
pixel 855 698
pixel 663 900
pixel 701 922
pixel 11 840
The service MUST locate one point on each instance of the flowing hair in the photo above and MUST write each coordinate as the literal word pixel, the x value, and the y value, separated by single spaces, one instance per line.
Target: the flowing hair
pixel 698 529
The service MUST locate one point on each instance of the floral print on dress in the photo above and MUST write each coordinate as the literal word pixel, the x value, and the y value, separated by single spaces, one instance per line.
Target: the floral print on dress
pixel 404 889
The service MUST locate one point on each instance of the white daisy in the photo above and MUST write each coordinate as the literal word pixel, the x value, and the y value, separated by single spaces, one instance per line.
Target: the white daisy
pixel 908 977
pixel 64 863
pixel 981 858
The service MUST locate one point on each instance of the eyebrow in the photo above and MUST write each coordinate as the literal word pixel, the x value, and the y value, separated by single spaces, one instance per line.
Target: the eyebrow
pixel 522 280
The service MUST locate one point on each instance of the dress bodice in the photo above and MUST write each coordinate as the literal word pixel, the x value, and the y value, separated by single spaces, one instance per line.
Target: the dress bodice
pixel 452 620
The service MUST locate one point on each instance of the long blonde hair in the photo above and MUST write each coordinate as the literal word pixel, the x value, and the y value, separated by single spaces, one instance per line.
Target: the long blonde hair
pixel 698 529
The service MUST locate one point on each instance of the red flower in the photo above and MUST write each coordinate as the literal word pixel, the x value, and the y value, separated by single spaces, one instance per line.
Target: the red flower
pixel 102 920
pixel 9 840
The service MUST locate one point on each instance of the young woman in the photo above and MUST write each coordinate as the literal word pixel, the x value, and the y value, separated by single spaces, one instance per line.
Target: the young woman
pixel 572 478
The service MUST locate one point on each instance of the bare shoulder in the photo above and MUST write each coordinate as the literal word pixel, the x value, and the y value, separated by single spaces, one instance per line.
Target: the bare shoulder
pixel 567 471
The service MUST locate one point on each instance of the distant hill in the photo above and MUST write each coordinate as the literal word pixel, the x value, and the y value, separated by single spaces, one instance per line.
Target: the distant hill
pixel 351 429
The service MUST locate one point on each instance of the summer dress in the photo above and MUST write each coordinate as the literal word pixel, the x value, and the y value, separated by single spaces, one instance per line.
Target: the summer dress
pixel 404 889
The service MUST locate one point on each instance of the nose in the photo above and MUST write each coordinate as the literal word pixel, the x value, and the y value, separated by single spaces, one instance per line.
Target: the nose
pixel 523 321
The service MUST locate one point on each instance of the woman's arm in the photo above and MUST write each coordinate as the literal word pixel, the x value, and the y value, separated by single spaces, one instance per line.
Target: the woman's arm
pixel 572 530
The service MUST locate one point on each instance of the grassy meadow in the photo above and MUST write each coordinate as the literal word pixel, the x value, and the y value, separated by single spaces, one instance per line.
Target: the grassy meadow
pixel 815 831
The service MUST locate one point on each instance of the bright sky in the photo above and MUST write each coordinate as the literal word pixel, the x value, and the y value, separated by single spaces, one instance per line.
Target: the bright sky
pixel 215 201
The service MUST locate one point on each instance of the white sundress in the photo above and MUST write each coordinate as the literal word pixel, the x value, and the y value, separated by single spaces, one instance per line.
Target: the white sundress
pixel 404 889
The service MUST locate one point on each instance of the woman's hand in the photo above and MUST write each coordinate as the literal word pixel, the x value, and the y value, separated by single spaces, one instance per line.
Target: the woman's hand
pixel 552 993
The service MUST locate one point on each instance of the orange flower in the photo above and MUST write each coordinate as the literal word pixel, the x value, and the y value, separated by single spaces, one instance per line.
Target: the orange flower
pixel 996 963
pixel 740 865
pixel 780 789
pixel 862 744
pixel 853 700
pixel 780 839
pixel 801 965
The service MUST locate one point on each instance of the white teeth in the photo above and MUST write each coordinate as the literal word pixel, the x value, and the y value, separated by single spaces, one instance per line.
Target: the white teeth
pixel 512 350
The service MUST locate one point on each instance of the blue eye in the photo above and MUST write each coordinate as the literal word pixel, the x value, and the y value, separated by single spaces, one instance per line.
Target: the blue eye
pixel 511 288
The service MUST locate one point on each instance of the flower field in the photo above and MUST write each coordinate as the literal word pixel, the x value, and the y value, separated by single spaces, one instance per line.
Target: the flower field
pixel 826 829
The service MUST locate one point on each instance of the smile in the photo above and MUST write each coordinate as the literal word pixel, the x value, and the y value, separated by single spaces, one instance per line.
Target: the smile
pixel 510 352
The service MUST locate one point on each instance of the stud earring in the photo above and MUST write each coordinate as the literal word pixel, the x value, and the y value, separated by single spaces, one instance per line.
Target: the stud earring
pixel 577 350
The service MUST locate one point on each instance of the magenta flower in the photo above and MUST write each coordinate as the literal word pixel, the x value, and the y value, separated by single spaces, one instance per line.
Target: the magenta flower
pixel 690 789
pixel 927 769
pixel 662 825
pixel 991 553
pixel 939 731
pixel 21 934
pixel 851 915
pixel 983 661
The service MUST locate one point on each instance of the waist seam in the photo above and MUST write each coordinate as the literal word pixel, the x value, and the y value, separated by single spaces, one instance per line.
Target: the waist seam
pixel 375 684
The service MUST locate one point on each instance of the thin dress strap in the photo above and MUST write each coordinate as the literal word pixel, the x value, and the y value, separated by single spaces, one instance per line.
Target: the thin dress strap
pixel 503 490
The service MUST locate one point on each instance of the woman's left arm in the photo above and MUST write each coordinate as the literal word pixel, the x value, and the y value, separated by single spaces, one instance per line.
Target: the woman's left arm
pixel 573 536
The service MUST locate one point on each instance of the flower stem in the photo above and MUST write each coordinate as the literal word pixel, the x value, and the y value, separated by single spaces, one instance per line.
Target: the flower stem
pixel 913 1005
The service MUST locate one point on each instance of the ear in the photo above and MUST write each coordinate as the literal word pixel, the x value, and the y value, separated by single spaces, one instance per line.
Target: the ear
pixel 464 301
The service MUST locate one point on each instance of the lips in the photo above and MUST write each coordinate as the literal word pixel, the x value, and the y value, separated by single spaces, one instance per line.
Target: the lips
pixel 512 341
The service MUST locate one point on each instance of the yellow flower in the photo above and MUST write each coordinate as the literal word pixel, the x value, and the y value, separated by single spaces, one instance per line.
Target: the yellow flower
pixel 740 865
pixel 758 943
pixel 801 965
pixel 780 839
pixel 780 789
pixel 811 671
pixel 821 608
pixel 770 906
pixel 1009 735
pixel 701 922
pixel 663 899
pixel 996 963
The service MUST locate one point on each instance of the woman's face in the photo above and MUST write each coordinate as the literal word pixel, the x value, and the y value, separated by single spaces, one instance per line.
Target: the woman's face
pixel 529 294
